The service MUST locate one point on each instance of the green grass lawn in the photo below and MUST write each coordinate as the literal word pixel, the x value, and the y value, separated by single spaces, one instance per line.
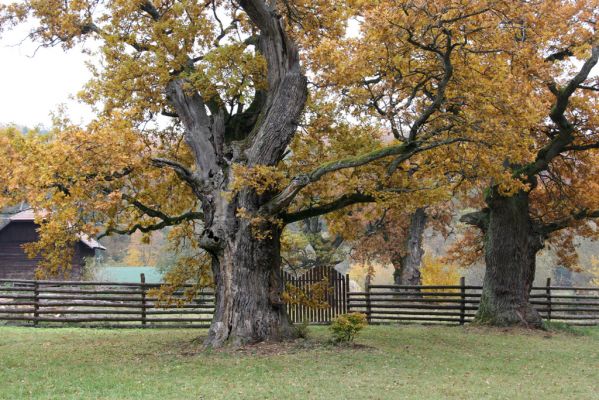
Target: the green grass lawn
pixel 395 362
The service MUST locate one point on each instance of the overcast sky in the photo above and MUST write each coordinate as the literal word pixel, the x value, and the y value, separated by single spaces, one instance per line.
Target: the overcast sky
pixel 34 84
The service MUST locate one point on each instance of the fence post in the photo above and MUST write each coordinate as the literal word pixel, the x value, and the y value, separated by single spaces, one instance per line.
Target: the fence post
pixel 463 298
pixel 36 302
pixel 346 305
pixel 143 298
pixel 368 305
pixel 548 291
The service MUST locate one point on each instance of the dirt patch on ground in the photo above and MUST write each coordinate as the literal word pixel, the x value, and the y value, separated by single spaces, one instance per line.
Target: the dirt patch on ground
pixel 290 347
pixel 294 346
pixel 513 331
pixel 267 349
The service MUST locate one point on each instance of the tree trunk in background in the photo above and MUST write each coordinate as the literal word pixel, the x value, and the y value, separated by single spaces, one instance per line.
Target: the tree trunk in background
pixel 511 245
pixel 407 268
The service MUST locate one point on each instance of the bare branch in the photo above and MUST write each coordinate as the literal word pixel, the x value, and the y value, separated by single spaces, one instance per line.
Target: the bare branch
pixel 582 147
pixel 149 8
pixel 440 95
pixel 341 202
pixel 287 86
pixel 169 221
pixel 559 55
pixel 479 219
pixel 182 172
pixel 587 87
pixel 191 109
pixel 565 136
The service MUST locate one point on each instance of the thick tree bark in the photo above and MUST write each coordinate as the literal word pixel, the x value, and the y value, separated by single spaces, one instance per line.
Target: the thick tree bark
pixel 249 306
pixel 407 267
pixel 511 246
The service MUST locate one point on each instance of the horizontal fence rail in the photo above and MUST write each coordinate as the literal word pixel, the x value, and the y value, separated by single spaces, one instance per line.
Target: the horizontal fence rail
pixel 458 304
pixel 124 305
pixel 105 304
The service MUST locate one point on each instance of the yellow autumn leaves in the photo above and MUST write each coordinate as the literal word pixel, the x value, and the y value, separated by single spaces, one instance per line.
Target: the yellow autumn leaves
pixel 472 73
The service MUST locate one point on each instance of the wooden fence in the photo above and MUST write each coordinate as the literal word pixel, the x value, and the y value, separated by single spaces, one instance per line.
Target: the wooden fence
pixel 112 304
pixel 458 304
pixel 60 303
pixel 336 296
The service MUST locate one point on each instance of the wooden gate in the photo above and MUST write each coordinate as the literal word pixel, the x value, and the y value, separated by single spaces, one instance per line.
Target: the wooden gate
pixel 336 296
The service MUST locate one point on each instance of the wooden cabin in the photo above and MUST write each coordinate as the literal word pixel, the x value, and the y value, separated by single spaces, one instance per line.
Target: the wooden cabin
pixel 19 229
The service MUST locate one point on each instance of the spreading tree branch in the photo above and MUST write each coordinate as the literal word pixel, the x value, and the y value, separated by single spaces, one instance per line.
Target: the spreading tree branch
pixel 558 115
pixel 167 221
pixel 405 151
pixel 342 202
pixel 566 222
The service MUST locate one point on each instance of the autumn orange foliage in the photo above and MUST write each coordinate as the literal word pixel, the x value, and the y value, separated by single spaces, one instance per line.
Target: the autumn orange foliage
pixel 436 273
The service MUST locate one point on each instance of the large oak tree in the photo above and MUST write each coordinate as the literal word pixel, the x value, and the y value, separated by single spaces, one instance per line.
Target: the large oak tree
pixel 557 198
pixel 523 85
pixel 199 104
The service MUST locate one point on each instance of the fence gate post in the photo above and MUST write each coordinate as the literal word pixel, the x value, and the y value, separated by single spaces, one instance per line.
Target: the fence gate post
pixel 143 298
pixel 463 298
pixel 548 291
pixel 368 305
pixel 36 302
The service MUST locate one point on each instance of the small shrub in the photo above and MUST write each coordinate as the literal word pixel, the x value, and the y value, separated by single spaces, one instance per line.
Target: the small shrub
pixel 301 330
pixel 345 327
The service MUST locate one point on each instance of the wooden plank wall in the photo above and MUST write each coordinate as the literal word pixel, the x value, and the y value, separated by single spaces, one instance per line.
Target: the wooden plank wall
pixel 15 264
pixel 336 296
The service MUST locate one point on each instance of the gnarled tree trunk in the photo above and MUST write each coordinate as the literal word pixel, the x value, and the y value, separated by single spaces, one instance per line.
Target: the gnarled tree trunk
pixel 511 246
pixel 245 248
pixel 512 239
pixel 249 306
pixel 246 264
pixel 407 267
